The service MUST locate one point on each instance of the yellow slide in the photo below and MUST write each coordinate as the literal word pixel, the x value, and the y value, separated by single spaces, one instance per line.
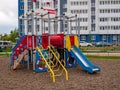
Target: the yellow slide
pixel 20 58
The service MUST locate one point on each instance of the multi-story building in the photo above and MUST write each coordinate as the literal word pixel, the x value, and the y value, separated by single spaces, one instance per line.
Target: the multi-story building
pixel 27 24
pixel 99 19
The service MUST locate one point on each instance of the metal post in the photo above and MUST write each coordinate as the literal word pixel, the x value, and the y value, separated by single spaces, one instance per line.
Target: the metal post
pixel 70 26
pixel 41 24
pixel 54 26
pixel 36 31
pixel 76 25
pixel 49 34
pixel 28 59
pixel 28 63
pixel 64 34
pixel 79 29
pixel 49 29
pixel 44 26
pixel 64 23
pixel 67 25
pixel 33 27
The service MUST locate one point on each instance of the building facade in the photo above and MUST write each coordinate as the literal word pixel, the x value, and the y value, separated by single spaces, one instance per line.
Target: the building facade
pixel 99 19
pixel 26 20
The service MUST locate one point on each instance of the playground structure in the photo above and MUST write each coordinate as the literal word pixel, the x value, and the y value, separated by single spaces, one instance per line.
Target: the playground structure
pixel 52 52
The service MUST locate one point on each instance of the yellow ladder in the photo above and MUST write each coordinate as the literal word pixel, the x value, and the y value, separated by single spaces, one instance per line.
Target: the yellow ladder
pixel 51 71
pixel 60 63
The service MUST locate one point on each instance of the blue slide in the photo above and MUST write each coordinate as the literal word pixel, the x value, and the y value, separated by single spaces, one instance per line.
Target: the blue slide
pixel 83 61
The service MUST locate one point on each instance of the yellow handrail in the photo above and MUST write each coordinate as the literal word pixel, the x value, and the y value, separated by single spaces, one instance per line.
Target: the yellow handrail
pixel 53 75
pixel 59 62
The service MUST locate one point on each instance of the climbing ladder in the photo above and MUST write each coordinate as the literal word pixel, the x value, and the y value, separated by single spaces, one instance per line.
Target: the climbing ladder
pixel 58 63
pixel 51 65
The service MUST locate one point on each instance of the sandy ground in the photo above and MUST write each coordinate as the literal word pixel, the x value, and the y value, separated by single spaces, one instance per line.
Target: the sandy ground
pixel 23 79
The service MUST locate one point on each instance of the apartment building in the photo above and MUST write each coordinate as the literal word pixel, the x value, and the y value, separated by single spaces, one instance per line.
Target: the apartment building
pixel 99 19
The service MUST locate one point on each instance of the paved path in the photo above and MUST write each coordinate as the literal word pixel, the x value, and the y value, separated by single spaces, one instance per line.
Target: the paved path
pixel 103 54
pixel 95 54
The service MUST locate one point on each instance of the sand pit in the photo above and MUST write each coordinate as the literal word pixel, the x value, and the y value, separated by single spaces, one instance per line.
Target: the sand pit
pixel 23 79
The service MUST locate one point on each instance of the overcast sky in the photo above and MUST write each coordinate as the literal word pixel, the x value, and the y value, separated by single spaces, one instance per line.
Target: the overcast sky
pixel 8 15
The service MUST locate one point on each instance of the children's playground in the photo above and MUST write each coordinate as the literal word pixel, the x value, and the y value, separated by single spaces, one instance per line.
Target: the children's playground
pixel 53 60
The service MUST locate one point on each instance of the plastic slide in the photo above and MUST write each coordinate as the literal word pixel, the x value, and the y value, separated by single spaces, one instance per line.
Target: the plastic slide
pixel 20 58
pixel 83 61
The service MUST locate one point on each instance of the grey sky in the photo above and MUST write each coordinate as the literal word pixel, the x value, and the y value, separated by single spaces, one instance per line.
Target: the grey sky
pixel 8 15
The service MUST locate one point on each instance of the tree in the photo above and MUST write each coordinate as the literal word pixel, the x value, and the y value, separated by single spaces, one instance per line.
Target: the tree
pixel 5 37
pixel 13 35
pixel 10 37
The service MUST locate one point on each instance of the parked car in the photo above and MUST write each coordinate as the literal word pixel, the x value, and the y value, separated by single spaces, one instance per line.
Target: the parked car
pixel 103 44
pixel 83 43
pixel 0 49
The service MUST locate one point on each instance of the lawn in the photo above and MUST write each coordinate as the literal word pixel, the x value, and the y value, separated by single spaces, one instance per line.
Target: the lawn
pixel 104 57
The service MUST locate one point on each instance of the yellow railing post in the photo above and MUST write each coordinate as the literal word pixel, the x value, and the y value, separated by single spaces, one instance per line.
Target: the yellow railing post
pixel 53 75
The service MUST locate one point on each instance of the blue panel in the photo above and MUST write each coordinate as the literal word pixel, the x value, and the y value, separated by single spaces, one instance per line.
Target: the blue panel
pixel 92 1
pixel 62 9
pixel 99 38
pixel 20 12
pixel 39 68
pixel 39 40
pixel 92 17
pixel 93 9
pixel 70 61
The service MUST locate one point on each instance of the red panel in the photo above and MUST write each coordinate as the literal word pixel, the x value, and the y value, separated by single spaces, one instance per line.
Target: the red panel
pixel 31 42
pixel 55 40
pixel 45 40
pixel 34 0
pixel 72 40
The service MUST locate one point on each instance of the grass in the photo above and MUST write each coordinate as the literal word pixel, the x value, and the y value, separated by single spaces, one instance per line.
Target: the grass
pixel 100 49
pixel 6 50
pixel 6 54
pixel 104 57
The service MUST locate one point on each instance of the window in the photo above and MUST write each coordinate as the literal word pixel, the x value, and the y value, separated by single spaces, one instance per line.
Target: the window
pixel 83 37
pixel 37 28
pixel 29 22
pixel 104 37
pixel 93 37
pixel 29 1
pixel 21 0
pixel 64 5
pixel 37 5
pixel 71 3
pixel 114 37
pixel 21 7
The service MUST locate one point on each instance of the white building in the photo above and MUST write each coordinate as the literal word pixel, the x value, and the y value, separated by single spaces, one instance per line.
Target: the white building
pixel 99 19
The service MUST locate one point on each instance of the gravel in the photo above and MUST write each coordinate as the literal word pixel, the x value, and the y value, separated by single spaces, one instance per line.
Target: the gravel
pixel 23 79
